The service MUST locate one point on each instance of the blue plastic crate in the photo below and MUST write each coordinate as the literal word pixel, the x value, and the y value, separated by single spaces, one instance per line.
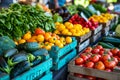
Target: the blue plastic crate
pixel 47 76
pixel 36 71
pixel 4 76
pixel 63 61
pixel 56 53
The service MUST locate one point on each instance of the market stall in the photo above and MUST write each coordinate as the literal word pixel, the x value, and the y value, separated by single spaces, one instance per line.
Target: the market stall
pixel 73 42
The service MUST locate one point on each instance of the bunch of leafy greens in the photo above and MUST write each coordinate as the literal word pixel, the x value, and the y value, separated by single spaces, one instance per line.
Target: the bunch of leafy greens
pixel 18 19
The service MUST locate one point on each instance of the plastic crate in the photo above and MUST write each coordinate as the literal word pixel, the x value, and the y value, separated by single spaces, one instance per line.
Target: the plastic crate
pixel 47 76
pixel 56 53
pixel 37 71
pixel 4 76
pixel 64 60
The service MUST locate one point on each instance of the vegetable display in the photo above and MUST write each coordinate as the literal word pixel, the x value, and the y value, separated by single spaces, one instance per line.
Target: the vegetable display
pixel 91 23
pixel 103 18
pixel 46 40
pixel 71 29
pixel 63 12
pixel 17 62
pixel 6 43
pixel 18 19
pixel 98 58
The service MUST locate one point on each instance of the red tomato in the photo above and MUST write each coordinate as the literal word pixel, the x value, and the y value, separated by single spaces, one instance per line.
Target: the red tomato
pixel 110 53
pixel 118 58
pixel 78 75
pixel 89 48
pixel 94 58
pixel 79 61
pixel 87 51
pixel 108 70
pixel 114 51
pixel 89 54
pixel 91 77
pixel 102 49
pixel 115 59
pixel 118 53
pixel 99 65
pixel 39 31
pixel 95 51
pixel 105 57
pixel 110 64
pixel 101 52
pixel 84 56
pixel 89 64
pixel 99 47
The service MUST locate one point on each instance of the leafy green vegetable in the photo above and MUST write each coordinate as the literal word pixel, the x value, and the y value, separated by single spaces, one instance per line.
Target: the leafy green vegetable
pixel 57 18
pixel 18 19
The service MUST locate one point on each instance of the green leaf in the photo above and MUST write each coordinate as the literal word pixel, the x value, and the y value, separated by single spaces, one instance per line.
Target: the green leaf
pixel 8 25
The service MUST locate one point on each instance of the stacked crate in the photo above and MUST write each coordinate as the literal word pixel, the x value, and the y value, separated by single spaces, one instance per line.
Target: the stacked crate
pixel 96 34
pixel 61 56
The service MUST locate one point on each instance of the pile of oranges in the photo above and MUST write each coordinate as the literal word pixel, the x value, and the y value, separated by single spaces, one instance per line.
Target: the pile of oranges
pixel 45 39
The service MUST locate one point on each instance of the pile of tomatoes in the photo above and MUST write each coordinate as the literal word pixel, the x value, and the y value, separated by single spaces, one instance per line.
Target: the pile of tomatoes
pixel 99 58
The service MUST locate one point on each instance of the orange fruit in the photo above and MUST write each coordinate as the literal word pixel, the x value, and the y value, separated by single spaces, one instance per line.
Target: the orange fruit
pixel 57 42
pixel 51 44
pixel 69 26
pixel 60 45
pixel 27 36
pixel 47 36
pixel 21 41
pixel 47 46
pixel 55 35
pixel 57 23
pixel 62 40
pixel 61 27
pixel 68 40
pixel 52 39
pixel 40 38
pixel 65 31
